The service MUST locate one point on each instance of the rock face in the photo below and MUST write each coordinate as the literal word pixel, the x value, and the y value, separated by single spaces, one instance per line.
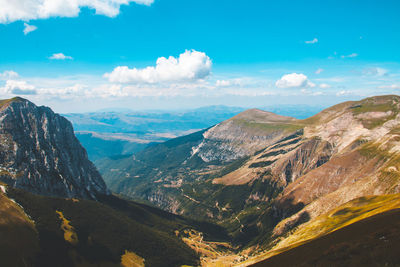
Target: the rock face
pixel 242 135
pixel 40 153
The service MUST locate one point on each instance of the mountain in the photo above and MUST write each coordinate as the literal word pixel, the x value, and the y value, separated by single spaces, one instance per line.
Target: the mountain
pixel 55 209
pixel 268 178
pixel 162 173
pixel 40 153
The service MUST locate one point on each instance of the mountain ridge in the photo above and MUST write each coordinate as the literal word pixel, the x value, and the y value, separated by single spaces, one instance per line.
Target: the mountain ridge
pixel 40 153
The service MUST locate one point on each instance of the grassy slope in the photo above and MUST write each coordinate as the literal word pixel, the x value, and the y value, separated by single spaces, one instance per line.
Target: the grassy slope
pixel 347 214
pixel 373 241
pixel 18 237
pixel 105 231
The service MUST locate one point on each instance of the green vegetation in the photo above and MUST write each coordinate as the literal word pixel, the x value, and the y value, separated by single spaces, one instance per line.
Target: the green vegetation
pixel 106 230
pixel 383 104
pixel 270 127
pixel 14 99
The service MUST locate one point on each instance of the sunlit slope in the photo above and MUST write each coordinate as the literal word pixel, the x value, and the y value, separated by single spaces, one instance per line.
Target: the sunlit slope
pixel 19 240
pixel 372 241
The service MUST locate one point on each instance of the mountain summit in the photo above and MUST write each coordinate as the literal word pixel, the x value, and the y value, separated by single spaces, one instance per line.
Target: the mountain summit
pixel 40 153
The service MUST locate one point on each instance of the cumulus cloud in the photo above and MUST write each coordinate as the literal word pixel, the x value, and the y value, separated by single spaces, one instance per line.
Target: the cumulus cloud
pixel 189 66
pixel 59 56
pixel 8 74
pixel 28 28
pixel 294 80
pixel 352 55
pixel 13 10
pixel 19 88
pixel 313 41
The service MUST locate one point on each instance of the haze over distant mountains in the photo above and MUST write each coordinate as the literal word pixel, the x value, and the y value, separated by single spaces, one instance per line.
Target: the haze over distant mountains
pixel 114 132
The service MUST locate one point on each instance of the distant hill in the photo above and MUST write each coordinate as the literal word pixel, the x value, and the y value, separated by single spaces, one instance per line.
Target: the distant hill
pixel 113 132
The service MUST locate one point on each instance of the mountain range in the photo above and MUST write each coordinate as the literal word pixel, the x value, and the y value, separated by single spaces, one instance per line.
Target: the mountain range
pixel 117 132
pixel 272 180
pixel 256 189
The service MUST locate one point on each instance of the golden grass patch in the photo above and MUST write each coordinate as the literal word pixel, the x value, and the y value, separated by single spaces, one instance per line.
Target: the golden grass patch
pixel 130 259
pixel 69 231
pixel 346 214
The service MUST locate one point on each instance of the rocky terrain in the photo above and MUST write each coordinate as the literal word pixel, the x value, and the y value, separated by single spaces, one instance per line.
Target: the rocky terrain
pixel 264 176
pixel 40 153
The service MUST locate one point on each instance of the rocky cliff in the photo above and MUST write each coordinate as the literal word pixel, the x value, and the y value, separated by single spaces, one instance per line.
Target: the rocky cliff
pixel 243 135
pixel 40 153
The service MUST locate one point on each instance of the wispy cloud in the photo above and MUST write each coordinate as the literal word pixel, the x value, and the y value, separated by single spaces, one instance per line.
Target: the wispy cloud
pixel 59 56
pixel 230 82
pixel 29 28
pixel 319 71
pixel 8 74
pixel 352 55
pixel 375 71
pixel 313 41
pixel 324 86
pixel 392 86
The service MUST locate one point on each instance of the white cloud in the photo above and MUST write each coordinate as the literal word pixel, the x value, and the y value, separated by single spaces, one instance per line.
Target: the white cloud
pixel 227 83
pixel 19 88
pixel 352 55
pixel 375 71
pixel 190 66
pixel 313 41
pixel 324 86
pixel 392 86
pixel 319 71
pixel 294 80
pixel 13 10
pixel 29 28
pixel 59 56
pixel 344 93
pixel 8 74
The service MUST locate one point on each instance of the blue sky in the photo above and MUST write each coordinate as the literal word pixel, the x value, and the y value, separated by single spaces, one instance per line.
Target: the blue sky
pixel 249 53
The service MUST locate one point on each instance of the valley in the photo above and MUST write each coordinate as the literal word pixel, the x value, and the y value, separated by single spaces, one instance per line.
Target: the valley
pixel 173 133
pixel 264 176
pixel 253 189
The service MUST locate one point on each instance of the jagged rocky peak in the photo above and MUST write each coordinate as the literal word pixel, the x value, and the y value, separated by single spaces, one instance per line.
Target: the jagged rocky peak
pixel 40 153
